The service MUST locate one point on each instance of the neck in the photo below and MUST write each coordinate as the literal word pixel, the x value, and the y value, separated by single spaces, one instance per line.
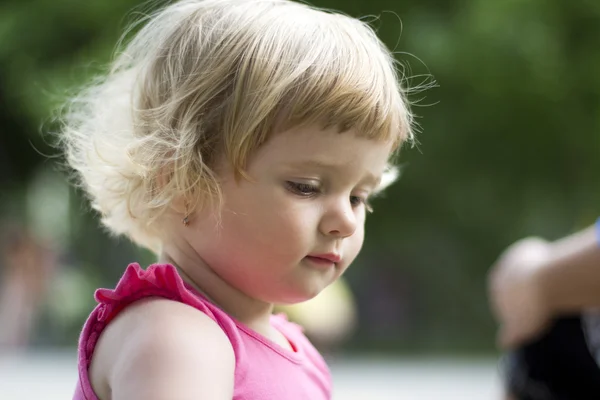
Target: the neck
pixel 192 268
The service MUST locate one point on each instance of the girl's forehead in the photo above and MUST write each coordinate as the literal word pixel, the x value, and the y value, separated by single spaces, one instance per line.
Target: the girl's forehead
pixel 315 148
pixel 322 140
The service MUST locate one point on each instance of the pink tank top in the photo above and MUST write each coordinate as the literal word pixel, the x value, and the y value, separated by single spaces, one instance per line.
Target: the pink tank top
pixel 263 369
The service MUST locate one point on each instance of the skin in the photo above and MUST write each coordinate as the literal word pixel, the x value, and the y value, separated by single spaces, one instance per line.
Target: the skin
pixel 535 281
pixel 306 196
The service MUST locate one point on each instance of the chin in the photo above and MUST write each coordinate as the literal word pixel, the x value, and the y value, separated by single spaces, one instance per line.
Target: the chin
pixel 302 295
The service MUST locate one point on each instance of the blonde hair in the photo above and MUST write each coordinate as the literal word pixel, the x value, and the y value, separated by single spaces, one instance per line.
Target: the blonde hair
pixel 210 78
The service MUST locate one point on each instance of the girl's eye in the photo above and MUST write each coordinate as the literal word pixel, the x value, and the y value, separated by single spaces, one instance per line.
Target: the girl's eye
pixel 302 189
pixel 356 201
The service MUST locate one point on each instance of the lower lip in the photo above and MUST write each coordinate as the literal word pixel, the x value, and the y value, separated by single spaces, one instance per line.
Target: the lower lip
pixel 321 262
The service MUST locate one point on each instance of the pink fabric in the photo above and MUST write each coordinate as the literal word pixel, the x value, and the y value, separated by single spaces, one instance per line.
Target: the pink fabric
pixel 264 370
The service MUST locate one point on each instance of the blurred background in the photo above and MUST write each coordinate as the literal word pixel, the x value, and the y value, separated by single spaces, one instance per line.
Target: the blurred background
pixel 509 147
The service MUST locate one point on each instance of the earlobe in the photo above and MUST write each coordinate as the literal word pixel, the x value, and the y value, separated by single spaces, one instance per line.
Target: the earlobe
pixel 162 178
pixel 161 182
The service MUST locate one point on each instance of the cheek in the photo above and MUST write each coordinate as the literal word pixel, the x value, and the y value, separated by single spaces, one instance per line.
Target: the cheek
pixel 273 221
pixel 287 229
pixel 355 243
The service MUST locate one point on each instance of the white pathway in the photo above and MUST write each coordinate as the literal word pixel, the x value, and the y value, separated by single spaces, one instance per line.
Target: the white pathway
pixel 52 375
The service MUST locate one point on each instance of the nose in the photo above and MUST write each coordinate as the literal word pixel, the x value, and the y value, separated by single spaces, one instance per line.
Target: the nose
pixel 339 220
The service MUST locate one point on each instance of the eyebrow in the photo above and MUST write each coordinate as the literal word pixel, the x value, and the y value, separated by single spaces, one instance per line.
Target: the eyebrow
pixel 375 180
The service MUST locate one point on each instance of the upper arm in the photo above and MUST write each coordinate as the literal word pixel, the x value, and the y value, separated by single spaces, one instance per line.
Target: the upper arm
pixel 170 351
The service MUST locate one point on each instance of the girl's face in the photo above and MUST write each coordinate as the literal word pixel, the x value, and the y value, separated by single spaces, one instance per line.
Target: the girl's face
pixel 295 228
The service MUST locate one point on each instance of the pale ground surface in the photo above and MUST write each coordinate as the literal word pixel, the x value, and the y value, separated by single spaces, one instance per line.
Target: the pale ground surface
pixel 51 376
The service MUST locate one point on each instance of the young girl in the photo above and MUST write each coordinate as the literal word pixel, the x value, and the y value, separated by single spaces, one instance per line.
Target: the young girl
pixel 241 141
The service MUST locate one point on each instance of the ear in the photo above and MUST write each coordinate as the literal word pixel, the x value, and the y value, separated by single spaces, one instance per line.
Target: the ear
pixel 160 183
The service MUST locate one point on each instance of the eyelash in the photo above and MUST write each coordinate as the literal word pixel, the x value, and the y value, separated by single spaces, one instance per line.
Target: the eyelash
pixel 308 190
pixel 302 189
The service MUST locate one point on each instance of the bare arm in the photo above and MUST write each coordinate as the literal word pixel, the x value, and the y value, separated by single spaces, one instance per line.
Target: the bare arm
pixel 166 350
pixel 535 281
pixel 570 280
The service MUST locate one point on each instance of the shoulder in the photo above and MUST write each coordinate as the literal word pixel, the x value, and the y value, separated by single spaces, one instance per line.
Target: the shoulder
pixel 158 349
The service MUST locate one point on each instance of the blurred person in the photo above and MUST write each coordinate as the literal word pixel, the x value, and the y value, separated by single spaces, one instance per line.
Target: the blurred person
pixel 241 141
pixel 545 296
pixel 28 269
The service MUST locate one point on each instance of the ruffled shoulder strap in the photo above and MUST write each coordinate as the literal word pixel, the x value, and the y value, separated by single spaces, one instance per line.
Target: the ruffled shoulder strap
pixel 161 280
pixel 158 280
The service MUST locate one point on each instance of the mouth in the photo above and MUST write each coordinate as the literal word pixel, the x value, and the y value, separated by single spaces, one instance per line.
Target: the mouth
pixel 324 259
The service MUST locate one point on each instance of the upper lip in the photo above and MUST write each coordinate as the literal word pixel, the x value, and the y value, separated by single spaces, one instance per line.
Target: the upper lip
pixel 333 257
